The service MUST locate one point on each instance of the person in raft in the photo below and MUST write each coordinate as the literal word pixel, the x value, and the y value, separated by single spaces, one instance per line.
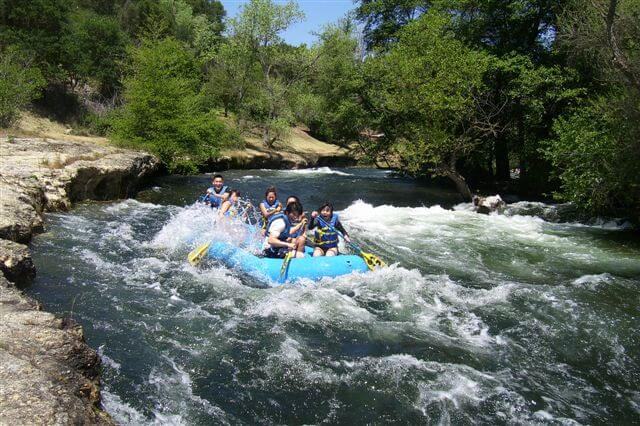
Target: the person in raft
pixel 325 238
pixel 217 193
pixel 299 229
pixel 231 206
pixel 279 241
pixel 269 206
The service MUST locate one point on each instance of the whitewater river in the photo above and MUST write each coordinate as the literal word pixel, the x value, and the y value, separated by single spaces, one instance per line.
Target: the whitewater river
pixel 496 319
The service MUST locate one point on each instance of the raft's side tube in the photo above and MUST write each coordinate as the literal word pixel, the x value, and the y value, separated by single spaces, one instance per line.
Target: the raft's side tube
pixel 313 268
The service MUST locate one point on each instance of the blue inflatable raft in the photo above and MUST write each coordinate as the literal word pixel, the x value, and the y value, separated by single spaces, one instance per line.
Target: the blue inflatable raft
pixel 313 268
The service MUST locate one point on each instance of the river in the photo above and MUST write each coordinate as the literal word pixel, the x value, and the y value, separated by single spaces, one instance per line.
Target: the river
pixel 480 319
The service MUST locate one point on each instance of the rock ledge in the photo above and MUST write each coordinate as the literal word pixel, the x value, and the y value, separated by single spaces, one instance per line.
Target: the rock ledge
pixel 48 374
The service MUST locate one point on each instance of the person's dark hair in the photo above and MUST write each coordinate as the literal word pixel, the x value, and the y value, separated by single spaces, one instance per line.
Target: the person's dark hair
pixel 234 191
pixel 326 204
pixel 294 207
pixel 296 199
pixel 271 189
pixel 217 176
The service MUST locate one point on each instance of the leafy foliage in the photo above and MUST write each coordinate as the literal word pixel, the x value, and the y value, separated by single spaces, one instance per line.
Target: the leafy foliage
pixel 162 112
pixel 256 71
pixel 426 91
pixel 596 154
pixel 335 110
pixel 94 46
pixel 384 18
pixel 34 27
pixel 20 83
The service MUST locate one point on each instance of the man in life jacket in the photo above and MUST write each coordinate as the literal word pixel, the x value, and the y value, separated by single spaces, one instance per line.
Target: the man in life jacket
pixel 269 206
pixel 279 241
pixel 325 237
pixel 217 192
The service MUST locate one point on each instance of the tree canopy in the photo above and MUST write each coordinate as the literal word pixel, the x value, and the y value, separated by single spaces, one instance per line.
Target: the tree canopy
pixel 478 91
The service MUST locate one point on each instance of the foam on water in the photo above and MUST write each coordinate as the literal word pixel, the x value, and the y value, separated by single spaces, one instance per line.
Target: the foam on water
pixel 479 318
pixel 317 171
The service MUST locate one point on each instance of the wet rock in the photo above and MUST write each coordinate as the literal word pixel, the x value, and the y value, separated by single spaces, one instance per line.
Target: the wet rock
pixel 486 205
pixel 21 204
pixel 48 375
pixel 15 262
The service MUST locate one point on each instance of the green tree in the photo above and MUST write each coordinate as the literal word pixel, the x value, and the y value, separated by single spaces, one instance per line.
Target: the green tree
pixel 94 47
pixel 260 70
pixel 162 111
pixel 20 83
pixel 383 19
pixel 596 148
pixel 34 27
pixel 427 92
pixel 335 111
pixel 596 155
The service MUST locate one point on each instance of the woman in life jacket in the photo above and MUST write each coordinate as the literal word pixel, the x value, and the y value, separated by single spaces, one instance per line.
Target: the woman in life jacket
pixel 325 238
pixel 231 207
pixel 217 193
pixel 279 241
pixel 269 206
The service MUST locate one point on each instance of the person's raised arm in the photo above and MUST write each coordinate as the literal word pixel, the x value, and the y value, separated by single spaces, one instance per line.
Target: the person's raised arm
pixel 226 205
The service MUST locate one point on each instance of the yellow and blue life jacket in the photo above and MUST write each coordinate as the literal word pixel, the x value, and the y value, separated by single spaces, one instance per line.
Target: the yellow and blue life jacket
pixel 325 237
pixel 270 208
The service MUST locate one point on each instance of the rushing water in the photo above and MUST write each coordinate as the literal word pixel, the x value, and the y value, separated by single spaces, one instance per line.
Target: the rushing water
pixel 480 319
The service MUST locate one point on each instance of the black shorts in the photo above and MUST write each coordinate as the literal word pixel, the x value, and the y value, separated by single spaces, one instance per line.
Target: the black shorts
pixel 276 253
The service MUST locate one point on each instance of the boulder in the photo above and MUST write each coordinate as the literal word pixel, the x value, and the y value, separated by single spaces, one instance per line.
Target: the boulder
pixel 486 205
pixel 48 375
pixel 15 262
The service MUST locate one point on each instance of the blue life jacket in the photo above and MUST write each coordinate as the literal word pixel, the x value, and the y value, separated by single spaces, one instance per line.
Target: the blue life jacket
pixel 270 208
pixel 286 233
pixel 325 237
pixel 215 201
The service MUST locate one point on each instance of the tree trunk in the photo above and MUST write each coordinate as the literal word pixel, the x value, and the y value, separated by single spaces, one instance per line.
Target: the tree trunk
pixel 461 184
pixel 501 153
pixel 266 137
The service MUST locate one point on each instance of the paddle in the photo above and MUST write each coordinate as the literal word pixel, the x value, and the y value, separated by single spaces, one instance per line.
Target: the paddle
pixel 285 264
pixel 196 255
pixel 369 258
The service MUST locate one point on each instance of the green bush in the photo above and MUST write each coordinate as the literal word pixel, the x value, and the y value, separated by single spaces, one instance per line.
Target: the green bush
pixel 19 84
pixel 162 112
pixel 596 154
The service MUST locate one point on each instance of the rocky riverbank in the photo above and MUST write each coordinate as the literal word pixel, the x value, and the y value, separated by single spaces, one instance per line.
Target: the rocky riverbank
pixel 48 375
pixel 301 150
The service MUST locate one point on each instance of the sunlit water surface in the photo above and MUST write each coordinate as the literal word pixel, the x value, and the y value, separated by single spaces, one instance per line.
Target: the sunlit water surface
pixel 480 319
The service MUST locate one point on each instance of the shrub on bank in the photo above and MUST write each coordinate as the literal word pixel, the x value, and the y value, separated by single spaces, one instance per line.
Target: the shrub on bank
pixel 20 83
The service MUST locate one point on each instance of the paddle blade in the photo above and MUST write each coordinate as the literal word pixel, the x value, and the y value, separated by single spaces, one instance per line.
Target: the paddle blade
pixel 197 254
pixel 372 261
pixel 285 264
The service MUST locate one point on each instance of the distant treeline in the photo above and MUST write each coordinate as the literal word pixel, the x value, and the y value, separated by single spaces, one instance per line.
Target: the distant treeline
pixel 476 91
